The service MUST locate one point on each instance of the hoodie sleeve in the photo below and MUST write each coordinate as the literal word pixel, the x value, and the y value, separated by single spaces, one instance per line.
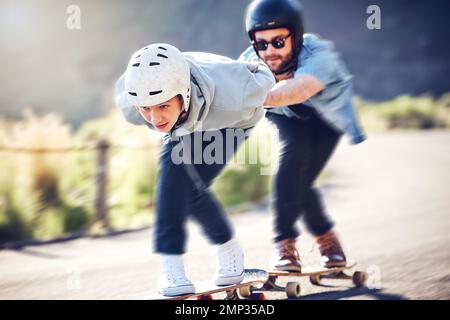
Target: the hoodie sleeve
pixel 128 111
pixel 259 83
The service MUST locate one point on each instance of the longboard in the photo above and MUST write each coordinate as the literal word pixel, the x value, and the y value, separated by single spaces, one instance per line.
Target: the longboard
pixel 253 278
pixel 315 274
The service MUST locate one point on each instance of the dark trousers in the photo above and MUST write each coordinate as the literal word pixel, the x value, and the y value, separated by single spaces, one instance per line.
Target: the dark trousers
pixel 183 192
pixel 306 146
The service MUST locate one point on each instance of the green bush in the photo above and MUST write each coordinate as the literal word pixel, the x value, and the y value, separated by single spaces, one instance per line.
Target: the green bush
pixel 13 226
pixel 406 112
pixel 75 218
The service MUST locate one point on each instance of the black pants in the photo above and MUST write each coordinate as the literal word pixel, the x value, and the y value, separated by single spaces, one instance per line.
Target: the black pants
pixel 183 192
pixel 306 146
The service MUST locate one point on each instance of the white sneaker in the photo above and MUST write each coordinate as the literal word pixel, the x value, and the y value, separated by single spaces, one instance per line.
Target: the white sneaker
pixel 174 281
pixel 230 264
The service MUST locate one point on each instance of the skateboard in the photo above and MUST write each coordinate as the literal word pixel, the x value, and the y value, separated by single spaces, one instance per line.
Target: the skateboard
pixel 315 274
pixel 253 279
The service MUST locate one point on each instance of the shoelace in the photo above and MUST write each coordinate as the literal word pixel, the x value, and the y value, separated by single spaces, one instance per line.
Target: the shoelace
pixel 327 243
pixel 175 275
pixel 227 260
pixel 287 250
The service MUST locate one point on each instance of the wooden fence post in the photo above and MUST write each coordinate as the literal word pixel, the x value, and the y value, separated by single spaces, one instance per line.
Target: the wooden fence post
pixel 101 181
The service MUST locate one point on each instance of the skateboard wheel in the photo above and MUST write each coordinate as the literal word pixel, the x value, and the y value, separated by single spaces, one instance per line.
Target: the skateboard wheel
pixel 205 297
pixel 293 289
pixel 359 279
pixel 245 292
pixel 257 296
pixel 315 279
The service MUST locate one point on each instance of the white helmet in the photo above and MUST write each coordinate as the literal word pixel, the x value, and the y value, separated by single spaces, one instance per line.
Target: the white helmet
pixel 157 73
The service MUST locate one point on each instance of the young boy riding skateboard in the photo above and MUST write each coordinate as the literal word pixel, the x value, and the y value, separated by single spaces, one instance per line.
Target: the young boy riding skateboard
pixel 311 107
pixel 196 99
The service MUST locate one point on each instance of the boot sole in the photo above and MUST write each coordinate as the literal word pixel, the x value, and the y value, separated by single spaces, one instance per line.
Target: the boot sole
pixel 289 269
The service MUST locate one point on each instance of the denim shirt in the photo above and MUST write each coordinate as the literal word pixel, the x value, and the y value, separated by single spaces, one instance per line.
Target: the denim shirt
pixel 334 103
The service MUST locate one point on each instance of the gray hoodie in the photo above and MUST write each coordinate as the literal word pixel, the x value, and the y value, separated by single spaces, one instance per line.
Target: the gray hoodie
pixel 225 93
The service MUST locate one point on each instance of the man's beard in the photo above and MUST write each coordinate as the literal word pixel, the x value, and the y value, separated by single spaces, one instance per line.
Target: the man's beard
pixel 285 61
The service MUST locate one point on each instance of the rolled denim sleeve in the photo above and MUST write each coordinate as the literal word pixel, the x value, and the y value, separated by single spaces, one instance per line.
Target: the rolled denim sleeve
pixel 322 64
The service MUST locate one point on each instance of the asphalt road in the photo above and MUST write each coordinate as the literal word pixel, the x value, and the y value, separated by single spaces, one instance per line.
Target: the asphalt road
pixel 388 196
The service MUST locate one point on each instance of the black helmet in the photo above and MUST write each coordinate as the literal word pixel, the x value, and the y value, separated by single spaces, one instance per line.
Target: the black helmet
pixel 271 14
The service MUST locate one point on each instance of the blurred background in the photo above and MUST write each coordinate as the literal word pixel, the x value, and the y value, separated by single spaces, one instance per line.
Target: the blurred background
pixel 70 165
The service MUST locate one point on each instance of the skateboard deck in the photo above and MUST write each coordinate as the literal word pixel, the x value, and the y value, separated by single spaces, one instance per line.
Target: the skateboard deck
pixel 315 274
pixel 310 271
pixel 253 278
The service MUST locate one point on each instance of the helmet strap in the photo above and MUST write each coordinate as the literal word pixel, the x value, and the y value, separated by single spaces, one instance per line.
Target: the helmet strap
pixel 182 118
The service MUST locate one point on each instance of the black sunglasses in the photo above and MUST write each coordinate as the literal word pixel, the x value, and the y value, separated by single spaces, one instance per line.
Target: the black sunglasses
pixel 277 43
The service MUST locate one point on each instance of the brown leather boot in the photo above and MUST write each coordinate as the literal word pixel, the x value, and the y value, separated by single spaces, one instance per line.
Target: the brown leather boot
pixel 331 250
pixel 286 257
